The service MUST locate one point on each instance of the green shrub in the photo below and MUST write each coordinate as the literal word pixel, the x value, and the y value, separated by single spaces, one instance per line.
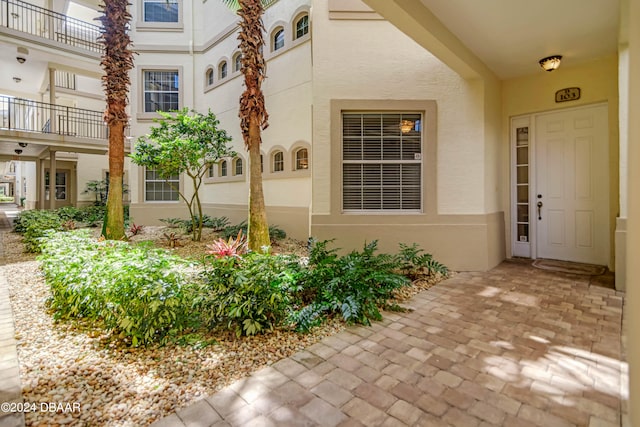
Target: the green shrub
pixel 413 263
pixel 250 294
pixel 33 224
pixel 275 233
pixel 144 294
pixel 355 285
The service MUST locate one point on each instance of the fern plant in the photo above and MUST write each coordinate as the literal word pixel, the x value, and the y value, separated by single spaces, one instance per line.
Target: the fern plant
pixel 414 263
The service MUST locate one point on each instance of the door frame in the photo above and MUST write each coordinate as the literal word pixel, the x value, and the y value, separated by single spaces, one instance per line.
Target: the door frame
pixel 530 249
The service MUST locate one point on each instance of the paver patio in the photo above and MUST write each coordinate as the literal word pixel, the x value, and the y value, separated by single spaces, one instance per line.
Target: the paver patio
pixel 515 346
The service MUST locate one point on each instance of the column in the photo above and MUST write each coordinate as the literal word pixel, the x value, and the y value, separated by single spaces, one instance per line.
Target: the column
pixel 52 179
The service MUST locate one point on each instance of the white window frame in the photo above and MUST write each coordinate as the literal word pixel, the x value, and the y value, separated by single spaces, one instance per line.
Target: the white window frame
pixel 64 186
pixel 274 39
pixel 223 71
pixel 304 28
pixel 237 162
pixel 237 62
pixel 396 188
pixel 209 78
pixel 301 163
pixel 165 182
pixel 146 91
pixel 278 162
pixel 140 104
pixel 142 25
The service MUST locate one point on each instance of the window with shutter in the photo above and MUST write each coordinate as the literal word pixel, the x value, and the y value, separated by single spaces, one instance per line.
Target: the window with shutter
pixel 381 161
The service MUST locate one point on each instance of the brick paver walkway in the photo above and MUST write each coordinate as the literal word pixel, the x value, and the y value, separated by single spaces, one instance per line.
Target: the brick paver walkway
pixel 10 388
pixel 515 346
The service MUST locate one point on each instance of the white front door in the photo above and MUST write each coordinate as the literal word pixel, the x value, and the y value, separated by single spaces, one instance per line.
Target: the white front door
pixel 571 194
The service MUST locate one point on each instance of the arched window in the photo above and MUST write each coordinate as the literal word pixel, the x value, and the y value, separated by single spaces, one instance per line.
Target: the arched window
pixel 237 62
pixel 209 76
pixel 223 69
pixel 278 39
pixel 223 168
pixel 278 161
pixel 210 171
pixel 261 163
pixel 237 166
pixel 302 26
pixel 302 159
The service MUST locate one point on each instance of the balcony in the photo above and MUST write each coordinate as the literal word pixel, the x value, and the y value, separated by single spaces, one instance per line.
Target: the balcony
pixel 22 17
pixel 49 126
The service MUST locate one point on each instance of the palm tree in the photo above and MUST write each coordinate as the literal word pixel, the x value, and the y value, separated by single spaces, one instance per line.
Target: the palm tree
pixel 117 61
pixel 253 114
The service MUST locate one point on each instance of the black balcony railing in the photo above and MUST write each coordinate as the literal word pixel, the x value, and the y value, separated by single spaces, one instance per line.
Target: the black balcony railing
pixel 33 116
pixel 41 22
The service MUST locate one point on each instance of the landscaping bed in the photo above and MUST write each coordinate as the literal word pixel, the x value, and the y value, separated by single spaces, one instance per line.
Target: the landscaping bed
pixel 118 384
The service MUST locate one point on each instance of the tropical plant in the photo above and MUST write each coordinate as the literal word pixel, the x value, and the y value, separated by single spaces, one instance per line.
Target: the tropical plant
pixel 117 61
pixel 173 240
pixel 189 144
pixel 100 189
pixel 354 285
pixel 414 263
pixel 253 114
pixel 275 232
pixel 135 229
pixel 250 294
pixel 141 293
pixel 233 247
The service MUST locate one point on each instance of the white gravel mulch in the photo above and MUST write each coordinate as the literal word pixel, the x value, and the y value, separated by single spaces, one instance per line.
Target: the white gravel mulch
pixel 115 385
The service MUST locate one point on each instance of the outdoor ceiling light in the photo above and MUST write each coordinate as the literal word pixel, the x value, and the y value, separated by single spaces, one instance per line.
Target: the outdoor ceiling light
pixel 18 151
pixel 550 63
pixel 17 79
pixel 22 144
pixel 21 59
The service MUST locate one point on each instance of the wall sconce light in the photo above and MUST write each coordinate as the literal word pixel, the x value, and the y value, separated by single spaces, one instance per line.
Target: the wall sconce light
pixel 22 144
pixel 21 59
pixel 550 63
pixel 18 151
pixel 17 79
pixel 406 126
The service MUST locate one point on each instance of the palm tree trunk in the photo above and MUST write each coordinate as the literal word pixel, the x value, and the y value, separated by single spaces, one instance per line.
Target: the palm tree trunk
pixel 258 230
pixel 114 222
pixel 116 61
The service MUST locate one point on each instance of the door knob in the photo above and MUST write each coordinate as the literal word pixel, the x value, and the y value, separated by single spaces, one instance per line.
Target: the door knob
pixel 539 209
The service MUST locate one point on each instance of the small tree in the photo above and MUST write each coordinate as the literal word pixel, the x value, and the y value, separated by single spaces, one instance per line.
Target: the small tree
pixel 186 144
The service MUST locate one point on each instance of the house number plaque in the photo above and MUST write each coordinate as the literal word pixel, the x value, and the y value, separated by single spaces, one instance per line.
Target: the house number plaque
pixel 568 94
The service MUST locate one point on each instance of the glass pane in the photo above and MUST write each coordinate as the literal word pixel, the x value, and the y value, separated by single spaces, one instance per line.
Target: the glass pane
pixel 391 149
pixel 523 213
pixel 522 155
pixel 372 175
pixel 523 174
pixel 410 147
pixel 522 136
pixel 352 175
pixel 160 11
pixel 60 178
pixel 523 233
pixel 372 148
pixel 523 193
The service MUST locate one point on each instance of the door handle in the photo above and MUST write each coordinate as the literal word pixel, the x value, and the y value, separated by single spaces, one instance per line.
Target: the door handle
pixel 539 210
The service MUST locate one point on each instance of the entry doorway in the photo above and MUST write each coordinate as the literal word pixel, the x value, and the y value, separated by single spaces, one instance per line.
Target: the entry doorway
pixel 560 185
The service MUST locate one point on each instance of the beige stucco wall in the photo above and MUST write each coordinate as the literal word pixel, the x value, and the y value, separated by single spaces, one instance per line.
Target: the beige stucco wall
pixel 287 90
pixel 536 93
pixel 632 304
pixel 382 66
